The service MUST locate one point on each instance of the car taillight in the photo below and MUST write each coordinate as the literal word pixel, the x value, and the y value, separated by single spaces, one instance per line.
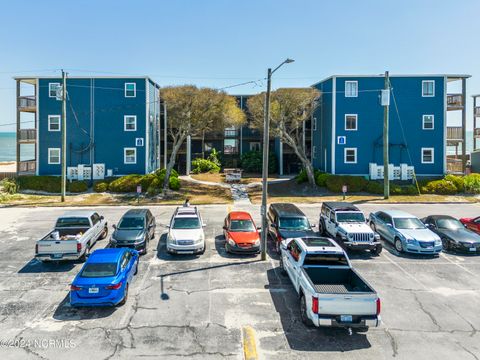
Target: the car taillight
pixel 74 287
pixel 114 287
pixel 314 304
pixel 279 237
pixel 379 306
pixel 79 247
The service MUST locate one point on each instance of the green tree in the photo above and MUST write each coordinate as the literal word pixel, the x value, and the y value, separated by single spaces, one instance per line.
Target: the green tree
pixel 192 110
pixel 289 109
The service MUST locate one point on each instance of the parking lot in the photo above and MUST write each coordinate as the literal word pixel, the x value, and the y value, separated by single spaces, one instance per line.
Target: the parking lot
pixel 200 307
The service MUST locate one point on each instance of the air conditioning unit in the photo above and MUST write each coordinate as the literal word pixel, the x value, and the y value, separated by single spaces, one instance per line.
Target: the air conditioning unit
pixel 72 173
pixel 98 171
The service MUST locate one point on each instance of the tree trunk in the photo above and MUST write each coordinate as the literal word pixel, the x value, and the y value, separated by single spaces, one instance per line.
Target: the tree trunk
pixel 171 163
pixel 307 164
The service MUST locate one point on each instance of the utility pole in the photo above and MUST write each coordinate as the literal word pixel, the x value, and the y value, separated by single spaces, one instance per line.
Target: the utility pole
pixel 64 134
pixel 266 142
pixel 386 103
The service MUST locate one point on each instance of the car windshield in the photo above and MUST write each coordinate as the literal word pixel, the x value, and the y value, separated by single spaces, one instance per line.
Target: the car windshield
pixel 242 225
pixel 186 223
pixel 350 217
pixel 294 223
pixel 450 224
pixel 72 222
pixel 408 223
pixel 131 223
pixel 94 270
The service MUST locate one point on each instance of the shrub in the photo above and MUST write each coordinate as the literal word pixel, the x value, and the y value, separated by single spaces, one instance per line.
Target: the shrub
pixel 458 181
pixel 204 165
pixel 374 187
pixel 163 172
pixel 9 186
pixel 156 185
pixel 146 180
pixel 213 157
pixel 472 183
pixel 321 178
pixel 51 184
pixel 174 183
pixel 354 183
pixel 77 186
pixel 442 187
pixel 100 186
pixel 125 184
pixel 252 162
pixel 302 177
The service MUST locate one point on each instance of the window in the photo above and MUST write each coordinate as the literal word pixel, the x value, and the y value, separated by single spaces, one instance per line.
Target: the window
pixel 255 146
pixel 54 123
pixel 52 89
pixel 129 156
pixel 314 125
pixel 130 123
pixel 428 122
pixel 54 156
pixel 351 88
pixel 351 122
pixel 314 151
pixel 95 219
pixel 130 89
pixel 427 155
pixel 139 142
pixel 350 155
pixel 428 88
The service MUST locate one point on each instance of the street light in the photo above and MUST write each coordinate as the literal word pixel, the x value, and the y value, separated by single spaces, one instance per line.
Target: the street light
pixel 266 142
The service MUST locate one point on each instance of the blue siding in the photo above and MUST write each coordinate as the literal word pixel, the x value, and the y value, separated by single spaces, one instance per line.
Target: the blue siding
pixel 95 124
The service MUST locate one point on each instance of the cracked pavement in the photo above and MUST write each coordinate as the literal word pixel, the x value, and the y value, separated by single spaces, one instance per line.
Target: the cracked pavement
pixel 196 307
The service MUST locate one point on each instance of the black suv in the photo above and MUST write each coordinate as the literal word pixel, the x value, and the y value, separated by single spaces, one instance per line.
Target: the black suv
pixel 134 230
pixel 287 221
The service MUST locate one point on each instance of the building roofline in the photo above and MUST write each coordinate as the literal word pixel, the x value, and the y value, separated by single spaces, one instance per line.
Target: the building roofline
pixel 457 76
pixel 88 77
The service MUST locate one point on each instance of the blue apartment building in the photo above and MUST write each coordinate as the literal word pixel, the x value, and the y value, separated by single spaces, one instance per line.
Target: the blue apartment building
pixel 110 121
pixel 347 127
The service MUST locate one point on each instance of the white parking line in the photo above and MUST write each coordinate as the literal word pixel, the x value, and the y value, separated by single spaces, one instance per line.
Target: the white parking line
pixel 406 272
pixel 457 264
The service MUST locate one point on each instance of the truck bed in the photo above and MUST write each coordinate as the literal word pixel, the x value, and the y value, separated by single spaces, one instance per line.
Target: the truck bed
pixel 65 233
pixel 336 281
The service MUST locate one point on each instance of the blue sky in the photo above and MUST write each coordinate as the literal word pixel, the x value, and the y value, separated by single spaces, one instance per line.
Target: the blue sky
pixel 219 43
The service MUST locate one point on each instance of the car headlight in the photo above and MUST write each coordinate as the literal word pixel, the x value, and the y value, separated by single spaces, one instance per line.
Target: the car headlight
pixel 170 239
pixel 231 242
pixel 438 242
pixel 257 242
pixel 350 236
pixel 410 241
pixel 371 235
pixel 377 236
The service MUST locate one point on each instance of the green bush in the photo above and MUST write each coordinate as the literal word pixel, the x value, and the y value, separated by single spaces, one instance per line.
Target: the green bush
pixel 441 187
pixel 125 184
pixel 203 166
pixel 174 183
pixel 156 185
pixel 472 183
pixel 213 157
pixel 321 178
pixel 100 186
pixel 146 180
pixel 9 185
pixel 51 184
pixel 163 172
pixel 374 187
pixel 458 181
pixel 302 177
pixel 354 183
pixel 77 186
pixel 252 162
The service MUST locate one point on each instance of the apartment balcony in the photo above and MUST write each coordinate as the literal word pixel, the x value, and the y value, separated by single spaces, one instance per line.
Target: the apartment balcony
pixel 26 136
pixel 454 102
pixel 454 166
pixel 27 103
pixel 455 133
pixel 476 111
pixel 27 167
pixel 231 133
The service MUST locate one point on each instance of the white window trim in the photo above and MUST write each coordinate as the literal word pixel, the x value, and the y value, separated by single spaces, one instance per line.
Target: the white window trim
pixel 351 82
pixel 423 122
pixel 49 89
pixel 433 155
pixel 345 156
pixel 134 90
pixel 253 144
pixel 50 150
pixel 428 81
pixel 125 122
pixel 50 117
pixel 125 155
pixel 356 122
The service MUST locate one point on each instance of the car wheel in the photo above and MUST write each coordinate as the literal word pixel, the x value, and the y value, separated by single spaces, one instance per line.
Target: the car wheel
pixel 376 250
pixel 282 267
pixel 104 233
pixel 203 251
pixel 85 255
pixel 277 246
pixel 372 226
pixel 136 269
pixel 339 241
pixel 445 245
pixel 321 228
pixel 398 245
pixel 303 312
pixel 125 297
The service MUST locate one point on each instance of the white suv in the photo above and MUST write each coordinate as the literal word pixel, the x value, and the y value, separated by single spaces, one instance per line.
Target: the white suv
pixel 185 232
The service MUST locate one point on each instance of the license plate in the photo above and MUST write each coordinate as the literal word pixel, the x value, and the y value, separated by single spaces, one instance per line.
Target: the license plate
pixel 185 252
pixel 472 249
pixel 56 256
pixel 93 290
pixel 346 318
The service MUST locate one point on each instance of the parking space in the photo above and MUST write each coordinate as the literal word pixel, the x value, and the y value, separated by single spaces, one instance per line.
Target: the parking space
pixel 196 307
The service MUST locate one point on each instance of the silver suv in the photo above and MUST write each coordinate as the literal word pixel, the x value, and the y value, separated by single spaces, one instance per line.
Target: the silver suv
pixel 185 232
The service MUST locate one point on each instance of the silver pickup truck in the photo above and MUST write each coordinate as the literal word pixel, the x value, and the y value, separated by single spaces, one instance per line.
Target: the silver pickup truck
pixel 74 234
pixel 331 292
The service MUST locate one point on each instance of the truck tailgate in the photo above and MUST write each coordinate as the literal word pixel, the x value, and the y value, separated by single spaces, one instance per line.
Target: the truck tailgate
pixel 56 247
pixel 347 304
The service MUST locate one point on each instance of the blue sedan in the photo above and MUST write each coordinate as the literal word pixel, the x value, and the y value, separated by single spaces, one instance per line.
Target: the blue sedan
pixel 105 278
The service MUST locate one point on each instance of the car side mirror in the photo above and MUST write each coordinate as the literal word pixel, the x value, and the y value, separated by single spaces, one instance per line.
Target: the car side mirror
pixel 224 228
pixel 313 225
pixel 114 226
pixel 167 226
pixel 101 217
pixel 259 228
pixel 273 226
pixel 204 224
pixel 389 225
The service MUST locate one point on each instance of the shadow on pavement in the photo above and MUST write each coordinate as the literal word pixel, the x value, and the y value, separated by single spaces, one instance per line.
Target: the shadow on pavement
pixel 65 312
pixel 220 247
pixel 36 266
pixel 301 337
pixel 162 253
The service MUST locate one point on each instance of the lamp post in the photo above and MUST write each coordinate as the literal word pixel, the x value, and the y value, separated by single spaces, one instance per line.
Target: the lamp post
pixel 266 143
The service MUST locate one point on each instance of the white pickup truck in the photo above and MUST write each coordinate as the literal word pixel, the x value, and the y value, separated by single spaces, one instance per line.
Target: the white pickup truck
pixel 74 234
pixel 331 292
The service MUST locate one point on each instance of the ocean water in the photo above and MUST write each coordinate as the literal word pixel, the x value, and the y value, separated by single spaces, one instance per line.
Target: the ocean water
pixel 8 148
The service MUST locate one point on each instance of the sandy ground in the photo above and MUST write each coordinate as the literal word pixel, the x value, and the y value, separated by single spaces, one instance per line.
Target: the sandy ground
pixel 8 166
